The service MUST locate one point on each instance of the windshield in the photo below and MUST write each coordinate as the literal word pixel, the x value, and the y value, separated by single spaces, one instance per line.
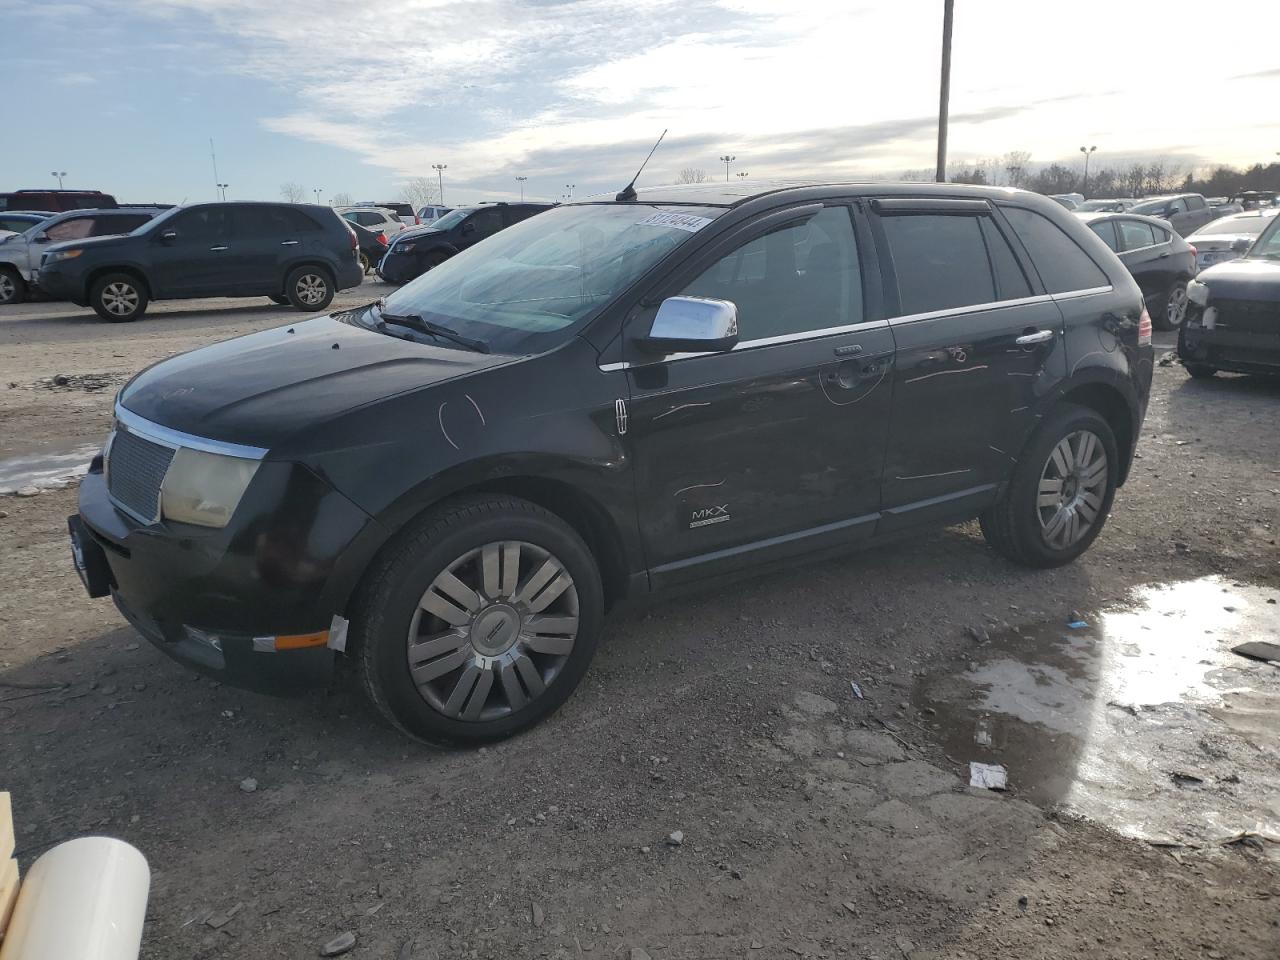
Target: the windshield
pixel 525 289
pixel 1240 226
pixel 453 218
pixel 1267 246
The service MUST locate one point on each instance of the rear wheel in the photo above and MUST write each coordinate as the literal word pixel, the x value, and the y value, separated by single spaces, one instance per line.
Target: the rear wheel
pixel 1175 309
pixel 13 289
pixel 480 622
pixel 118 298
pixel 1201 371
pixel 309 288
pixel 1060 494
pixel 365 264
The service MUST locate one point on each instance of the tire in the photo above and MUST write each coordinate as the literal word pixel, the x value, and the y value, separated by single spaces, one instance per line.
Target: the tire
pixel 13 289
pixel 118 298
pixel 279 298
pixel 1200 371
pixel 1175 307
pixel 309 289
pixel 1024 531
pixel 506 648
pixel 365 264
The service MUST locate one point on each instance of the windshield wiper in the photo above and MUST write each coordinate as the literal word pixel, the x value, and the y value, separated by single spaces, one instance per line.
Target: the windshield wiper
pixel 414 322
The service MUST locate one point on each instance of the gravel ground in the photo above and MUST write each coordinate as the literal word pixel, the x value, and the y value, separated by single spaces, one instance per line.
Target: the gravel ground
pixel 810 823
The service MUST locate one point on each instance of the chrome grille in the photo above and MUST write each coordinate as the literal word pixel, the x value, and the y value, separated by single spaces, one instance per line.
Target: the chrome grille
pixel 135 470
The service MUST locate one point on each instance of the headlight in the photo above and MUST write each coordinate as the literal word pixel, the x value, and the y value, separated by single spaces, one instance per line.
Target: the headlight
pixel 204 488
pixel 1197 292
pixel 54 256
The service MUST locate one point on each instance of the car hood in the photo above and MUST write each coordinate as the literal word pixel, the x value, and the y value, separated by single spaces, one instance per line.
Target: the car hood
pixel 261 389
pixel 1219 241
pixel 88 243
pixel 1243 280
pixel 418 232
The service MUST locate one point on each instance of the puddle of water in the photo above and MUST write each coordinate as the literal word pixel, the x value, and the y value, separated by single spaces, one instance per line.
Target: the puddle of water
pixel 46 470
pixel 1143 720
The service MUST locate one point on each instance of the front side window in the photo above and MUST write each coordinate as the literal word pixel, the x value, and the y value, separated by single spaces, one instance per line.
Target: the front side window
pixel 1062 265
pixel 76 228
pixel 1177 206
pixel 941 261
pixel 200 224
pixel 800 278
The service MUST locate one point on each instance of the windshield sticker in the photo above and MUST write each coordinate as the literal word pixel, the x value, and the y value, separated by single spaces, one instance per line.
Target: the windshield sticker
pixel 678 221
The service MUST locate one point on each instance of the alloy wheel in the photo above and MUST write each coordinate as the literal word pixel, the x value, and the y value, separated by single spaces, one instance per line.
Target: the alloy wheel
pixel 7 288
pixel 492 631
pixel 1177 308
pixel 119 299
pixel 1073 485
pixel 311 288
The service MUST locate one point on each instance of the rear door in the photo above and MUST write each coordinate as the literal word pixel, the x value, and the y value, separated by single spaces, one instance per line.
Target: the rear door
pixel 485 222
pixel 978 341
pixel 775 447
pixel 1147 254
pixel 1198 214
pixel 261 242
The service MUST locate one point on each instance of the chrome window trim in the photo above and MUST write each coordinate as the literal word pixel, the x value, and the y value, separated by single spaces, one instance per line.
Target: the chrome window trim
pixel 1080 294
pixel 972 308
pixel 176 439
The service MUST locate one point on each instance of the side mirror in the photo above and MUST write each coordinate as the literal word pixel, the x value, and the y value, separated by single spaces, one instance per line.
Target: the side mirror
pixel 1241 245
pixel 468 228
pixel 692 324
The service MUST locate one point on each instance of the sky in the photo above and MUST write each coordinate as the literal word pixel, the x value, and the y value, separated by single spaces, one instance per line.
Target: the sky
pixel 359 96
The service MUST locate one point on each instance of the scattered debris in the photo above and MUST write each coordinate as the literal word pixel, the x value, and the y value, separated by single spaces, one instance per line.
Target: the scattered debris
pixel 857 690
pixel 248 784
pixel 676 838
pixel 220 920
pixel 89 382
pixel 638 953
pixel 535 913
pixel 849 905
pixel 1168 359
pixel 989 776
pixel 338 945
pixel 1077 624
pixel 1129 708
pixel 904 945
pixel 1259 650
pixel 982 733
pixel 1022 903
pixel 28 491
pixel 1183 779
pixel 977 634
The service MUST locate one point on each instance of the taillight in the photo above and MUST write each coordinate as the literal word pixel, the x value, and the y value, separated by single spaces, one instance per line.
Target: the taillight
pixel 382 239
pixel 355 243
pixel 1144 328
pixel 1192 249
pixel 417 221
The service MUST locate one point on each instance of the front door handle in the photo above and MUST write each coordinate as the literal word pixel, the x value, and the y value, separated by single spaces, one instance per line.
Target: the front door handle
pixel 223 247
pixel 1038 336
pixel 289 243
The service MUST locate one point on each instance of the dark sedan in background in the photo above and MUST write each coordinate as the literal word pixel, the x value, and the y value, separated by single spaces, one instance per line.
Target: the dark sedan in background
pixel 415 251
pixel 1160 260
pixel 1229 237
pixel 1233 313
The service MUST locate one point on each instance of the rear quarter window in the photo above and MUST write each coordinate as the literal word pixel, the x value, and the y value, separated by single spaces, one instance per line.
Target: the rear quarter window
pixel 1062 264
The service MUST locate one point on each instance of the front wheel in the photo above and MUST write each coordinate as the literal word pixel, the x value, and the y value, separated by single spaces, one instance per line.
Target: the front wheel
pixel 309 288
pixel 118 298
pixel 479 623
pixel 1061 491
pixel 1175 310
pixel 13 289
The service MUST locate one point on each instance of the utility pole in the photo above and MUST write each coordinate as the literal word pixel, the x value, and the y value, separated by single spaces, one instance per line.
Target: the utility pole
pixel 570 187
pixel 521 181
pixel 944 93
pixel 55 173
pixel 1085 189
pixel 742 173
pixel 223 187
pixel 440 168
pixel 726 160
pixel 214 157
pixel 317 191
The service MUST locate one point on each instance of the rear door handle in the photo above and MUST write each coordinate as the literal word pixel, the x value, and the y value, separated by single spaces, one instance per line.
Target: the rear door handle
pixel 1039 336
pixel 223 247
pixel 289 243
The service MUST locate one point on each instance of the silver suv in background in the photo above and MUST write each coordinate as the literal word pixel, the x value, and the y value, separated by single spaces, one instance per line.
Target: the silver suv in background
pixel 20 253
pixel 377 219
pixel 1186 212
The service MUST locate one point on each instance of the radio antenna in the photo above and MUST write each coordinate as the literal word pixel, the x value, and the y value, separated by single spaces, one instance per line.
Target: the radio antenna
pixel 629 191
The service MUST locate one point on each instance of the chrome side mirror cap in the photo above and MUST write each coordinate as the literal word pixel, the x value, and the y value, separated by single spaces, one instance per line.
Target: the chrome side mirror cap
pixel 692 325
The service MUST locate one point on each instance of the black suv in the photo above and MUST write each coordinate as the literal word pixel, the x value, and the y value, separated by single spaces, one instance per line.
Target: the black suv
pixel 450 487
pixel 293 253
pixel 415 251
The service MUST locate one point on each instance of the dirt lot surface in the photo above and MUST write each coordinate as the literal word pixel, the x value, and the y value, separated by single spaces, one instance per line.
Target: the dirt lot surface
pixel 715 788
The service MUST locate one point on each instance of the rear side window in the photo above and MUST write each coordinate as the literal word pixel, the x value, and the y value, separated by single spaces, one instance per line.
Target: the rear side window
pixel 76 228
pixel 794 280
pixel 1011 282
pixel 107 226
pixel 941 261
pixel 1195 203
pixel 1062 265
pixel 1106 231
pixel 1134 234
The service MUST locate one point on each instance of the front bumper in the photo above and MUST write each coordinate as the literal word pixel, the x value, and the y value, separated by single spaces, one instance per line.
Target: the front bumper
pixel 399 267
pixel 1238 351
pixel 208 598
pixel 61 283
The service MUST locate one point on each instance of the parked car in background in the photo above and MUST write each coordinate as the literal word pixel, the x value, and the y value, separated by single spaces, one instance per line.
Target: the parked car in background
pixel 611 398
pixel 56 201
pixel 1068 200
pixel 402 210
pixel 1187 212
pixel 1158 259
pixel 1118 205
pixel 1255 199
pixel 375 218
pixel 1229 237
pixel 416 251
pixel 1224 205
pixel 372 245
pixel 1233 317
pixel 430 214
pixel 290 252
pixel 20 254
pixel 19 221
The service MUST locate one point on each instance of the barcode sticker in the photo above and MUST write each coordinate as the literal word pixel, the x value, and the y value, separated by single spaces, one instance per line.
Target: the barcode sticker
pixel 678 221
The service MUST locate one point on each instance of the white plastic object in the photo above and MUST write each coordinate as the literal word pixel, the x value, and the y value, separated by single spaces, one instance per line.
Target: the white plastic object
pixel 85 899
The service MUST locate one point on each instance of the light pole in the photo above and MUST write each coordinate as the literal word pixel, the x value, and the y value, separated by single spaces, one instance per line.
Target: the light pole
pixel 742 173
pixel 1085 189
pixel 521 181
pixel 55 173
pixel 223 187
pixel 726 160
pixel 440 168
pixel 569 187
pixel 944 90
pixel 317 191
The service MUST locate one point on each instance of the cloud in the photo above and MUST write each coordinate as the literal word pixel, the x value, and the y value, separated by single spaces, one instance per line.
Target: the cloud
pixel 74 79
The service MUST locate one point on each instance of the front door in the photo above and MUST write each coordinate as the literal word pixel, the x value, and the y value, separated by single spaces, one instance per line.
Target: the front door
pixel 197 260
pixel 976 345
pixel 775 447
